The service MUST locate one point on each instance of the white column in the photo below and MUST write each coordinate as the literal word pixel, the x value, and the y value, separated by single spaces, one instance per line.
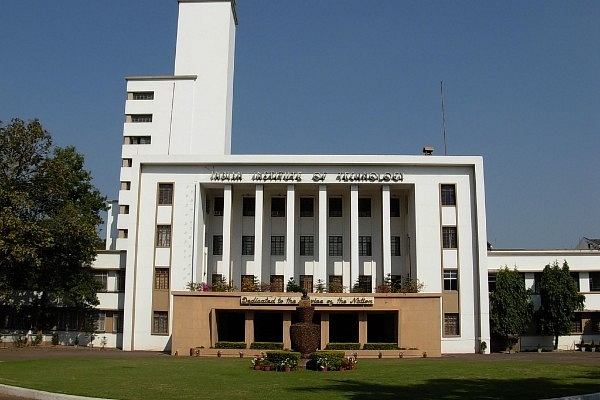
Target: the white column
pixel 385 231
pixel 321 270
pixel 227 212
pixel 354 259
pixel 290 237
pixel 258 232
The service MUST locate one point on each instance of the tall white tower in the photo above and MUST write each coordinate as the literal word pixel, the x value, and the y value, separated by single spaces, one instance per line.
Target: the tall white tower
pixel 205 48
pixel 168 118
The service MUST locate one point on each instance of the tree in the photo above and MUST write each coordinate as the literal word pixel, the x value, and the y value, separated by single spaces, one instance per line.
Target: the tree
pixel 50 211
pixel 511 308
pixel 559 300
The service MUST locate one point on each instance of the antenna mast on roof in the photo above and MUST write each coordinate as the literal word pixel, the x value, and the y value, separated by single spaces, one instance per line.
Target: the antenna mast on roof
pixel 443 116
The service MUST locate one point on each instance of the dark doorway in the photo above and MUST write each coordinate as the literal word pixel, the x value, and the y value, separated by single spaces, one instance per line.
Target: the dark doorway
pixel 382 328
pixel 268 327
pixel 230 326
pixel 343 327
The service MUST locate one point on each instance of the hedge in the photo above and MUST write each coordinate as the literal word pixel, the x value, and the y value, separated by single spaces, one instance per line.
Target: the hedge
pixel 334 358
pixel 342 346
pixel 230 345
pixel 277 357
pixel 380 346
pixel 266 345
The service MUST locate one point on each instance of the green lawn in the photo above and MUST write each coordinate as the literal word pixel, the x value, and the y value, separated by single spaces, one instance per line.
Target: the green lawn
pixel 232 378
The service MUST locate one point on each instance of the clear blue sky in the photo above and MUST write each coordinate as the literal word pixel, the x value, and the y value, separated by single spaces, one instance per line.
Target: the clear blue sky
pixel 521 85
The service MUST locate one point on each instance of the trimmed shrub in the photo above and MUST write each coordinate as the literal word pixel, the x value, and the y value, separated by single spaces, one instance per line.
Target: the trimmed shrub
pixel 380 346
pixel 334 359
pixel 230 345
pixel 342 346
pixel 280 357
pixel 266 345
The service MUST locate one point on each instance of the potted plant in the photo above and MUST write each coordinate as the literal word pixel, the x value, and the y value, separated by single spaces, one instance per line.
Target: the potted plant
pixel 593 346
pixel 266 365
pixel 482 347
pixel 323 363
pixel 351 362
pixel 539 348
pixel 288 364
pixel 257 362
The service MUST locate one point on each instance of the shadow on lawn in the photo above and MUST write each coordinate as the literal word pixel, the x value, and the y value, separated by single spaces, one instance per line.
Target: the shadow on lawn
pixel 490 389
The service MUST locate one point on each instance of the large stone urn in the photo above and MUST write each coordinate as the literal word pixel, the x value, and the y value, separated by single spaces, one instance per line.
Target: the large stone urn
pixel 305 335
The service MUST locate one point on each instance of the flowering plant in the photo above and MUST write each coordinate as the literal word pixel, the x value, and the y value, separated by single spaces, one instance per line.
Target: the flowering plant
pixel 350 362
pixel 288 362
pixel 323 362
pixel 258 360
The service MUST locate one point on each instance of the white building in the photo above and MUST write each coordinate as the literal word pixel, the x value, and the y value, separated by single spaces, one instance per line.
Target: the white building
pixel 189 211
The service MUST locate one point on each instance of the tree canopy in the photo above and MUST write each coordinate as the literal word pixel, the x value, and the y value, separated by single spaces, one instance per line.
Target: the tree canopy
pixel 50 211
pixel 559 300
pixel 511 309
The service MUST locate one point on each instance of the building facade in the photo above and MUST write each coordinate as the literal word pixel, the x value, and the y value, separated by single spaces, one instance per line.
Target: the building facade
pixel 191 214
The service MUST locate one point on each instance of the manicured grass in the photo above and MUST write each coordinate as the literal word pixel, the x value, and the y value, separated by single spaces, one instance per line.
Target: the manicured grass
pixel 165 377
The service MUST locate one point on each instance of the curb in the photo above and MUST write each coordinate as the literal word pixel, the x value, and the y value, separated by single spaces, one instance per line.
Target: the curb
pixel 40 395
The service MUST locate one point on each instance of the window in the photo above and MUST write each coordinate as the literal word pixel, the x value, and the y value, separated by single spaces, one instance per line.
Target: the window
pixel 138 139
pixel 335 206
pixel 101 321
pixel 306 282
pixel 396 281
pixel 335 284
pixel 117 322
pixel 364 284
pixel 276 283
pixel 448 193
pixel 248 206
pixel 307 207
pixel 126 162
pixel 216 279
pixel 336 246
pixel 595 321
pixel 122 234
pixel 395 244
pixel 277 245
pixel 576 326
pixel 248 284
pixel 450 280
pixel 102 278
pixel 163 236
pixel 124 209
pixel 120 276
pixel 451 327
pixel 594 281
pixel 136 118
pixel 278 207
pixel 307 245
pixel 449 237
pixel 161 279
pixel 142 96
pixel 491 282
pixel 161 322
pixel 218 207
pixel 364 207
pixel 217 245
pixel 125 185
pixel 165 194
pixel 247 245
pixel 394 207
pixel 364 246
